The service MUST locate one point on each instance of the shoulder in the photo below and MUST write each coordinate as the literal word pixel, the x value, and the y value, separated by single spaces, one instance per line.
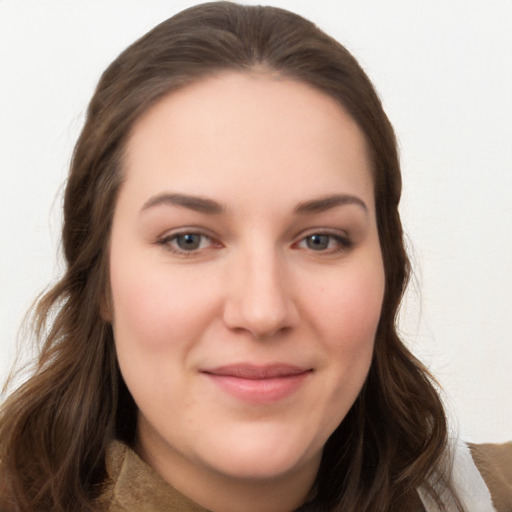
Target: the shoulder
pixel 494 463
pixel 132 485
pixel 481 477
pixel 114 461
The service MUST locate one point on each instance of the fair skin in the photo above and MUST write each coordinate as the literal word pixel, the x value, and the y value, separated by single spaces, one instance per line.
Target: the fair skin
pixel 247 283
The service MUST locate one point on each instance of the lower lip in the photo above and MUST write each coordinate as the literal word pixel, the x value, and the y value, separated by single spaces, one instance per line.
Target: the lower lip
pixel 260 391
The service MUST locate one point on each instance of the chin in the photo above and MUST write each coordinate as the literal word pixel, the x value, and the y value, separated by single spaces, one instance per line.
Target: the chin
pixel 263 454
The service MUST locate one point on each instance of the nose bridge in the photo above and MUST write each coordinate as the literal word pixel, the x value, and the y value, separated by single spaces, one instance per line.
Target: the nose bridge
pixel 260 298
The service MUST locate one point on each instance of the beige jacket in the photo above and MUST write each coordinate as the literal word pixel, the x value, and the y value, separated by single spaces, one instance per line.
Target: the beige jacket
pixel 135 487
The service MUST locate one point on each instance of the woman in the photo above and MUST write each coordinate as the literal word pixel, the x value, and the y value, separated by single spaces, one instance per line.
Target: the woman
pixel 224 335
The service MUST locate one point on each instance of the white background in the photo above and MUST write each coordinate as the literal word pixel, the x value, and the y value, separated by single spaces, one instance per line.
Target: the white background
pixel 444 71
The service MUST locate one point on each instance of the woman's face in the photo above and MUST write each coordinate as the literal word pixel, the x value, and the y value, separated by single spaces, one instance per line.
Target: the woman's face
pixel 246 276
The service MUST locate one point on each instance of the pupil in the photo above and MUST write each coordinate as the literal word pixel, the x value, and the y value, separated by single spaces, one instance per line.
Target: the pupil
pixel 189 242
pixel 318 242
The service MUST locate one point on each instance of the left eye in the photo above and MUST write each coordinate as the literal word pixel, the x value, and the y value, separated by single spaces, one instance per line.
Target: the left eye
pixel 323 242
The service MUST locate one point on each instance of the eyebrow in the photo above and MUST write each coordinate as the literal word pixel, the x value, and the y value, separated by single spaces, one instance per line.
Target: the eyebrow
pixel 196 203
pixel 205 205
pixel 326 203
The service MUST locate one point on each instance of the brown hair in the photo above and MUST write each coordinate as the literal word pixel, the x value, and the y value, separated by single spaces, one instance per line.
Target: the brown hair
pixel 55 428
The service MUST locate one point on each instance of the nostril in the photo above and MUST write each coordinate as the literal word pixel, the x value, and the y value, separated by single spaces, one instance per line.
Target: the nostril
pixel 270 334
pixel 261 324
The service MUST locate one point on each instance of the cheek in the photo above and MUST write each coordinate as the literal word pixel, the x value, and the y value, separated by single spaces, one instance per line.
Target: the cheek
pixel 156 324
pixel 154 309
pixel 348 316
pixel 345 312
pixel 350 307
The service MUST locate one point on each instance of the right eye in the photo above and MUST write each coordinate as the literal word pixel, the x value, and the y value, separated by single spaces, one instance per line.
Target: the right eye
pixel 186 242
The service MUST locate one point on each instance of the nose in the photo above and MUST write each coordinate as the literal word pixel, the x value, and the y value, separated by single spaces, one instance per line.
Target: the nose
pixel 260 297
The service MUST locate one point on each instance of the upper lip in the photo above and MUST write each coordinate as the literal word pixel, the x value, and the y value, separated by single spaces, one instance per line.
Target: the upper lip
pixel 257 372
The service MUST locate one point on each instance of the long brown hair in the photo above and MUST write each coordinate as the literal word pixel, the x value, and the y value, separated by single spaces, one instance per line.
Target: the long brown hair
pixel 55 428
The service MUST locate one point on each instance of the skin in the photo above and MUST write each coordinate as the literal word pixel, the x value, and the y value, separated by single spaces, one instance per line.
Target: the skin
pixel 275 276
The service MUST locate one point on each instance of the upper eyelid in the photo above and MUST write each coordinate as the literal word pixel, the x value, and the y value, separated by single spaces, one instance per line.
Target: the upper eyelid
pixel 335 232
pixel 189 230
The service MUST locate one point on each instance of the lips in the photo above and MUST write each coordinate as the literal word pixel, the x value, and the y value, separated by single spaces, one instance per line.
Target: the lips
pixel 258 384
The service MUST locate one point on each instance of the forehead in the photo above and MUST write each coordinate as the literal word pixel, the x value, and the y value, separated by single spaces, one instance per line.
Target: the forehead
pixel 241 131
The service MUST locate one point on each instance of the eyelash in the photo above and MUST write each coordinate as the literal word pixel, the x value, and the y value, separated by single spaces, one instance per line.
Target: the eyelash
pixel 342 242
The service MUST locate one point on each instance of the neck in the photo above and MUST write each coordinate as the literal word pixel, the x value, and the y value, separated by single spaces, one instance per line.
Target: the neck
pixel 218 492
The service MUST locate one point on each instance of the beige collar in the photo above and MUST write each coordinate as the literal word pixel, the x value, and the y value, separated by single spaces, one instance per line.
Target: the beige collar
pixel 136 486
